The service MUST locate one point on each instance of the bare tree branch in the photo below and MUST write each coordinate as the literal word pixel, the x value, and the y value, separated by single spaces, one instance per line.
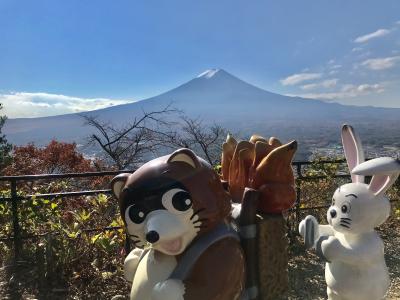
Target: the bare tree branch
pixel 129 144
pixel 152 134
pixel 208 139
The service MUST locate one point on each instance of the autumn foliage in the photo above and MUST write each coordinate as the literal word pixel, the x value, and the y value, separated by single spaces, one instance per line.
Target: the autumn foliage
pixel 56 157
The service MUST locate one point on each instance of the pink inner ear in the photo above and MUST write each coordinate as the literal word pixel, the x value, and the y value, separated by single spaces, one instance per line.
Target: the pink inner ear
pixel 379 183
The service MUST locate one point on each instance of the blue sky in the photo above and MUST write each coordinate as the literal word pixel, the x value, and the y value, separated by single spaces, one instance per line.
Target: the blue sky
pixel 66 56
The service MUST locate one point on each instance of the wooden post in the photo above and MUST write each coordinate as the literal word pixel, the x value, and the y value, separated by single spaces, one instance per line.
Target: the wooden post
pixel 248 237
pixel 273 256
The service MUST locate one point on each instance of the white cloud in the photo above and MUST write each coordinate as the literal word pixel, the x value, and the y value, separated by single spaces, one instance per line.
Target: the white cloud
pixel 372 35
pixel 357 49
pixel 310 86
pixel 370 88
pixel 300 77
pixel 329 83
pixel 21 104
pixel 347 91
pixel 364 55
pixel 381 63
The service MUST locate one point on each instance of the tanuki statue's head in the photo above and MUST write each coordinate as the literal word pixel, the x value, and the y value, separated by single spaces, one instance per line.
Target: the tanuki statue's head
pixel 171 200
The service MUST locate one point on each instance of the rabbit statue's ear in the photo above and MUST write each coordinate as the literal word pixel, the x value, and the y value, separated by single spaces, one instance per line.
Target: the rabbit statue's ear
pixel 353 151
pixel 385 171
pixel 381 183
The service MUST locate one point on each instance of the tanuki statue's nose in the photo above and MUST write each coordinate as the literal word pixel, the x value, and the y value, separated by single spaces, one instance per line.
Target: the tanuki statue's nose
pixel 152 236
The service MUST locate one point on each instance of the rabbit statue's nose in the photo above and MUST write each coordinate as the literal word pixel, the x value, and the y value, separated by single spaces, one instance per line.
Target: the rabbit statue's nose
pixel 152 236
pixel 333 213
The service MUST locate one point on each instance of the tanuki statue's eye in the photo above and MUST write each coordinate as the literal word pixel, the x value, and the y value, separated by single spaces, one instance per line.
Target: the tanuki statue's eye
pixel 177 200
pixel 136 214
pixel 181 201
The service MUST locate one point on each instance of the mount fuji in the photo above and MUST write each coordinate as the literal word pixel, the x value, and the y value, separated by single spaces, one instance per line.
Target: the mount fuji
pixel 217 96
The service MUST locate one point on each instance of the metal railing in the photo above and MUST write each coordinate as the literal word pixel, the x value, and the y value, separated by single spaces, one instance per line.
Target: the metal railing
pixel 15 198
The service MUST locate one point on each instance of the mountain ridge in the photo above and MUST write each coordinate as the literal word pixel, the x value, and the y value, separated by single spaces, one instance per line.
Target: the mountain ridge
pixel 218 96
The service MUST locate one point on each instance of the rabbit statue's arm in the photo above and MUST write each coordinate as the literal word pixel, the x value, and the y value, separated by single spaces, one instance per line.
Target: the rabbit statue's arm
pixel 312 232
pixel 364 252
pixel 326 230
pixel 131 263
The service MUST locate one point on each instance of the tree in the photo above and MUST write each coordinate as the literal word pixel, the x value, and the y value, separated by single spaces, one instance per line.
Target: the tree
pixel 5 147
pixel 130 144
pixel 153 134
pixel 206 139
pixel 56 157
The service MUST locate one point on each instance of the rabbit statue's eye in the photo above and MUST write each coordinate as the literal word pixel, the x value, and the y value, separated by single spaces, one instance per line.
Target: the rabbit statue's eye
pixel 345 208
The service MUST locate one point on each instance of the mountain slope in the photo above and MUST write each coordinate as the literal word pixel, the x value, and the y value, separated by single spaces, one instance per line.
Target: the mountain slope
pixel 217 96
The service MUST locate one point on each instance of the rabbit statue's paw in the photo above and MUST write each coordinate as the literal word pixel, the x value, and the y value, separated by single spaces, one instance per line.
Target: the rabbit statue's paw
pixel 308 229
pixel 329 248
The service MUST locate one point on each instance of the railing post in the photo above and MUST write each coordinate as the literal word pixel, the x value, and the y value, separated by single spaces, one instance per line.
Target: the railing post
pixel 127 245
pixel 16 228
pixel 298 195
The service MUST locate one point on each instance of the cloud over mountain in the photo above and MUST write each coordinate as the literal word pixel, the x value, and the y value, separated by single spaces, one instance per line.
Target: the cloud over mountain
pixel 328 83
pixel 347 91
pixel 299 78
pixel 22 104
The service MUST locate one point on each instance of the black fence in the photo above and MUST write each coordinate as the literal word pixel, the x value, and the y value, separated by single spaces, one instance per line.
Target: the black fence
pixel 15 198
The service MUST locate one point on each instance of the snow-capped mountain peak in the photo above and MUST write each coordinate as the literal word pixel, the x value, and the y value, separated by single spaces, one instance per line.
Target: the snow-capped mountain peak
pixel 208 73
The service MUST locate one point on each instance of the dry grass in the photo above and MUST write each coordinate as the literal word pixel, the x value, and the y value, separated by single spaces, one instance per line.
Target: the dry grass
pixel 306 276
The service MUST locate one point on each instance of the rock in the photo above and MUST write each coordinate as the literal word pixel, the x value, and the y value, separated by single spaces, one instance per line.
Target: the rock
pixel 118 297
pixel 12 280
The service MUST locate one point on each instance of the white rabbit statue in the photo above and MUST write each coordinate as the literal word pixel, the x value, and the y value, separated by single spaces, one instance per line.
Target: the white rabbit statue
pixel 355 267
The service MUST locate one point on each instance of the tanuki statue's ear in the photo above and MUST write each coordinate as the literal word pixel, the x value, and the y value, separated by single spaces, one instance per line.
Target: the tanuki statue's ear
pixel 186 156
pixel 118 183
